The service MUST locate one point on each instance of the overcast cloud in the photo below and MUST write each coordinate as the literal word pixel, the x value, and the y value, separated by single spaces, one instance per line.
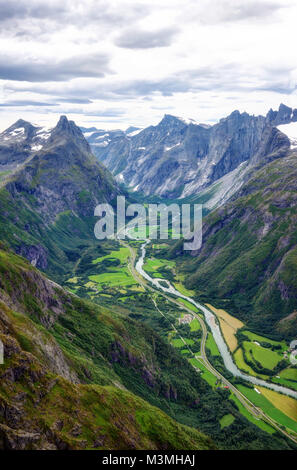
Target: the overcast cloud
pixel 115 63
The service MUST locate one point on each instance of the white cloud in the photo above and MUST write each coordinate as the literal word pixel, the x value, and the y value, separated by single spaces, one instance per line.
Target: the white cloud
pixel 122 62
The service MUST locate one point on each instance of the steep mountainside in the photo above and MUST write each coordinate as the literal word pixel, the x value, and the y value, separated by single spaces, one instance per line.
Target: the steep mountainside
pixel 248 260
pixel 78 375
pixel 47 204
pixel 59 388
pixel 179 158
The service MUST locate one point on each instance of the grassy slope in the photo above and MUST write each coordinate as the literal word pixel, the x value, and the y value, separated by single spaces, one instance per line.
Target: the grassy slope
pixel 103 349
pixel 46 411
pixel 51 411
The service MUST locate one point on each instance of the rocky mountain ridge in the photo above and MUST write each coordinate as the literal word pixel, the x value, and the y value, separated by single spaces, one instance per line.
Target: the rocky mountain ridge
pixel 182 158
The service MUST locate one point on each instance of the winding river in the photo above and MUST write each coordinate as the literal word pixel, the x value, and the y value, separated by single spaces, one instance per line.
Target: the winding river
pixel 215 329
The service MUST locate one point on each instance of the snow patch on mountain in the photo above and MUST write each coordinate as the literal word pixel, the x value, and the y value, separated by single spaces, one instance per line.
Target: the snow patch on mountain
pixel 291 131
pixel 172 147
pixel 133 133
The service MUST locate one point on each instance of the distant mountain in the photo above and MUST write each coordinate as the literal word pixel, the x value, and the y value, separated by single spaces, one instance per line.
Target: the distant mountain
pixel 182 158
pixel 100 138
pixel 248 260
pixel 48 202
pixel 19 141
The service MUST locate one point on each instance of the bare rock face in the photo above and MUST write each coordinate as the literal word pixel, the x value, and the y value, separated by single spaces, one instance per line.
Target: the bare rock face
pixel 181 158
pixel 36 254
pixel 12 439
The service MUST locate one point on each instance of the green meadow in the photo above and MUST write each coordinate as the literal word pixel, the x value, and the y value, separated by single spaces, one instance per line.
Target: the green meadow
pixel 266 357
pixel 259 400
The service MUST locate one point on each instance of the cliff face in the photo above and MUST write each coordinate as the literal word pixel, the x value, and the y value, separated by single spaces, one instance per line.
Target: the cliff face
pixel 179 158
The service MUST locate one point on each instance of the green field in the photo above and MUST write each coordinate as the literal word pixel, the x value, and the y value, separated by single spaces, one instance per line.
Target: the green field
pixel 206 375
pixel 152 265
pixel 290 374
pixel 258 422
pixel 211 345
pixel 178 342
pixel 259 400
pixel 262 339
pixel 114 278
pixel 239 361
pixel 183 290
pixel 267 358
pixel 189 305
pixel 122 254
pixel 195 325
pixel 226 420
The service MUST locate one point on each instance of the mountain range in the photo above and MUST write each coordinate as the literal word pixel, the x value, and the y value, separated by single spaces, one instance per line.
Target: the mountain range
pixel 86 375
pixel 181 158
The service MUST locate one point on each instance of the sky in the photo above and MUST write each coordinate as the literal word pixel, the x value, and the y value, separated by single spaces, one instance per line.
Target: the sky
pixel 116 63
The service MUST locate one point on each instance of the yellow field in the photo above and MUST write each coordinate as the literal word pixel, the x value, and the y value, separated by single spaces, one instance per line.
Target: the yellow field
pixel 284 403
pixel 229 326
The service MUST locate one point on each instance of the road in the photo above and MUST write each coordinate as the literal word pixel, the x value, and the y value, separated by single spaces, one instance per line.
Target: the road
pixel 258 413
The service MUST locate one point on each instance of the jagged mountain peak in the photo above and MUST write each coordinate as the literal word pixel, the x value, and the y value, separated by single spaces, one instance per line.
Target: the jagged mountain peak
pixel 66 126
pixel 284 115
pixel 170 118
pixel 19 123
pixel 66 132
pixel 181 157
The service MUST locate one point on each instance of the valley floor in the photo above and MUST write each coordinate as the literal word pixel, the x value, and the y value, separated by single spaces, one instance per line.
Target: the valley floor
pixel 185 329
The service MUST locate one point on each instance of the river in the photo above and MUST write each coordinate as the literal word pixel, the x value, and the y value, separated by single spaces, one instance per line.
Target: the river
pixel 215 329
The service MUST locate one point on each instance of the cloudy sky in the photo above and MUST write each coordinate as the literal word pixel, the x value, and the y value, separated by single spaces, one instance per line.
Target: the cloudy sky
pixel 115 63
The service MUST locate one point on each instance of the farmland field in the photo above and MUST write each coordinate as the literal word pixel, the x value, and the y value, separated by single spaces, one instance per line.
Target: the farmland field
pixel 211 345
pixel 206 375
pixel 259 399
pixel 267 358
pixel 195 325
pixel 122 254
pixel 152 265
pixel 284 403
pixel 258 422
pixel 289 373
pixel 262 339
pixel 226 421
pixel 229 326
pixel 239 360
pixel 189 305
